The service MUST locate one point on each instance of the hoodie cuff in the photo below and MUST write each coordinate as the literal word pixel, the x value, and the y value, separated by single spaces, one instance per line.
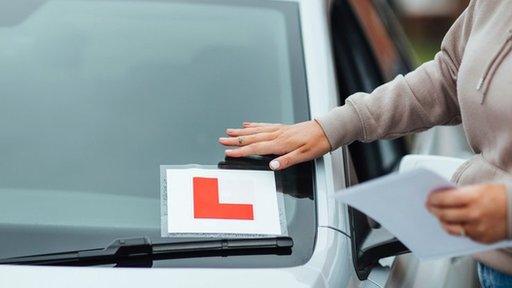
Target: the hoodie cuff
pixel 342 125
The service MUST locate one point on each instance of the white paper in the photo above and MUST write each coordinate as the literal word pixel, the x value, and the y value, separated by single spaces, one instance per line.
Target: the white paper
pixel 397 202
pixel 256 188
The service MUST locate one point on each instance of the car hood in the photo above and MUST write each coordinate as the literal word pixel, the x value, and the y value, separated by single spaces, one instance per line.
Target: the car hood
pixel 57 277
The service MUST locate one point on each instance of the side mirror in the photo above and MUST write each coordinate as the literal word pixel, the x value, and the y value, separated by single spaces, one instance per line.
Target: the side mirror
pixel 371 244
pixel 372 251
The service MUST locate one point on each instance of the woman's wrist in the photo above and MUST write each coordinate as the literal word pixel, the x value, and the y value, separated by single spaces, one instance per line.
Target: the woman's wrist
pixel 341 126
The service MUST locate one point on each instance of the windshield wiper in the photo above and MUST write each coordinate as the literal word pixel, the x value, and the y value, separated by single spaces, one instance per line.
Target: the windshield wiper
pixel 139 252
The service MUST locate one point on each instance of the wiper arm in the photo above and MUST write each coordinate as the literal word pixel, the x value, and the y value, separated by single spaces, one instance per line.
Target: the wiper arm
pixel 139 252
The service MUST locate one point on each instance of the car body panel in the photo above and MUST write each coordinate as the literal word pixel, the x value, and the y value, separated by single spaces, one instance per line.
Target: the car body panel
pixel 409 271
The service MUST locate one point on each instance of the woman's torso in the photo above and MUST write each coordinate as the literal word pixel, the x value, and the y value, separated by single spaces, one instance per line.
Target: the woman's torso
pixel 484 88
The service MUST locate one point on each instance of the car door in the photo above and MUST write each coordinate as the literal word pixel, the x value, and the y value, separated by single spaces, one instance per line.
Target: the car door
pixel 369 50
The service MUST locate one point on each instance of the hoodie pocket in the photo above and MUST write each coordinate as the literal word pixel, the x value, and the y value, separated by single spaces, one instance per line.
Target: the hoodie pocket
pixel 493 65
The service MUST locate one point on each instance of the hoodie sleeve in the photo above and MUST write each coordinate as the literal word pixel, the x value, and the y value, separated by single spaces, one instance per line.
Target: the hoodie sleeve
pixel 415 102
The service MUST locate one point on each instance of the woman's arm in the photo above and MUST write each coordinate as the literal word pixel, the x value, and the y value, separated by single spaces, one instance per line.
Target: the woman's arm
pixel 419 100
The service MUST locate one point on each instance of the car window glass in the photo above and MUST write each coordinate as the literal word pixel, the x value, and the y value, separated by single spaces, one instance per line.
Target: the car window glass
pixel 378 37
pixel 96 95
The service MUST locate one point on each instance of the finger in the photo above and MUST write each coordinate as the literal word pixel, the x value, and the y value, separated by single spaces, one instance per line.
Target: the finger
pixel 246 140
pixel 451 215
pixel 250 131
pixel 453 229
pixel 254 124
pixel 260 148
pixel 290 159
pixel 449 198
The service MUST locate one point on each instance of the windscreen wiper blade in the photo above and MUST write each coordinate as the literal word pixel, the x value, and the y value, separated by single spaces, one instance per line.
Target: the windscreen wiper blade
pixel 139 252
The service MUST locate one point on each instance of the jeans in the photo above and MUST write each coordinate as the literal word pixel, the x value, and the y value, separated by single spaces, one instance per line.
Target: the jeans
pixel 490 278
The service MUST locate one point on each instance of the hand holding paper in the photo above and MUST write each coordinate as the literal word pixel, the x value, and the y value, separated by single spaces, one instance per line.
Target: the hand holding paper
pixel 476 211
pixel 398 202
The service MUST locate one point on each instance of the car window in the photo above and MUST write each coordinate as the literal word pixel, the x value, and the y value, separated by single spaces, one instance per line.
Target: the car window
pixel 384 36
pixel 96 95
pixel 377 35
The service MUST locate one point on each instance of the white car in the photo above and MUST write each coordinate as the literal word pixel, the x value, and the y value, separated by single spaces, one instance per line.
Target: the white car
pixel 96 95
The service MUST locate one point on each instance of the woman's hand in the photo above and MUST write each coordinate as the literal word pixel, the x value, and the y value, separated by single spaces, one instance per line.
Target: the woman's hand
pixel 295 143
pixel 478 211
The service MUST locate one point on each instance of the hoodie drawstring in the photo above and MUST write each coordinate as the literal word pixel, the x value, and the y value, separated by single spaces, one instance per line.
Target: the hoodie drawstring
pixel 490 70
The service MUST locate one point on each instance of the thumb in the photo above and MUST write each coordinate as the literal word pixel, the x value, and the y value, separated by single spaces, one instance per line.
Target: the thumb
pixel 287 160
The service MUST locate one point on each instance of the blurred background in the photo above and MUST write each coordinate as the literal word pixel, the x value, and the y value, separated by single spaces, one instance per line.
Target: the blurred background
pixel 426 21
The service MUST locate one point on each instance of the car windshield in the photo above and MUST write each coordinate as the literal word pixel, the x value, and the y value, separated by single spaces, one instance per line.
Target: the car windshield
pixel 96 95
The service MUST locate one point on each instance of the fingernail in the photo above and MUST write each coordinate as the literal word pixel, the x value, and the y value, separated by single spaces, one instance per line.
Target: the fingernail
pixel 274 164
pixel 223 139
pixel 229 131
pixel 228 151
